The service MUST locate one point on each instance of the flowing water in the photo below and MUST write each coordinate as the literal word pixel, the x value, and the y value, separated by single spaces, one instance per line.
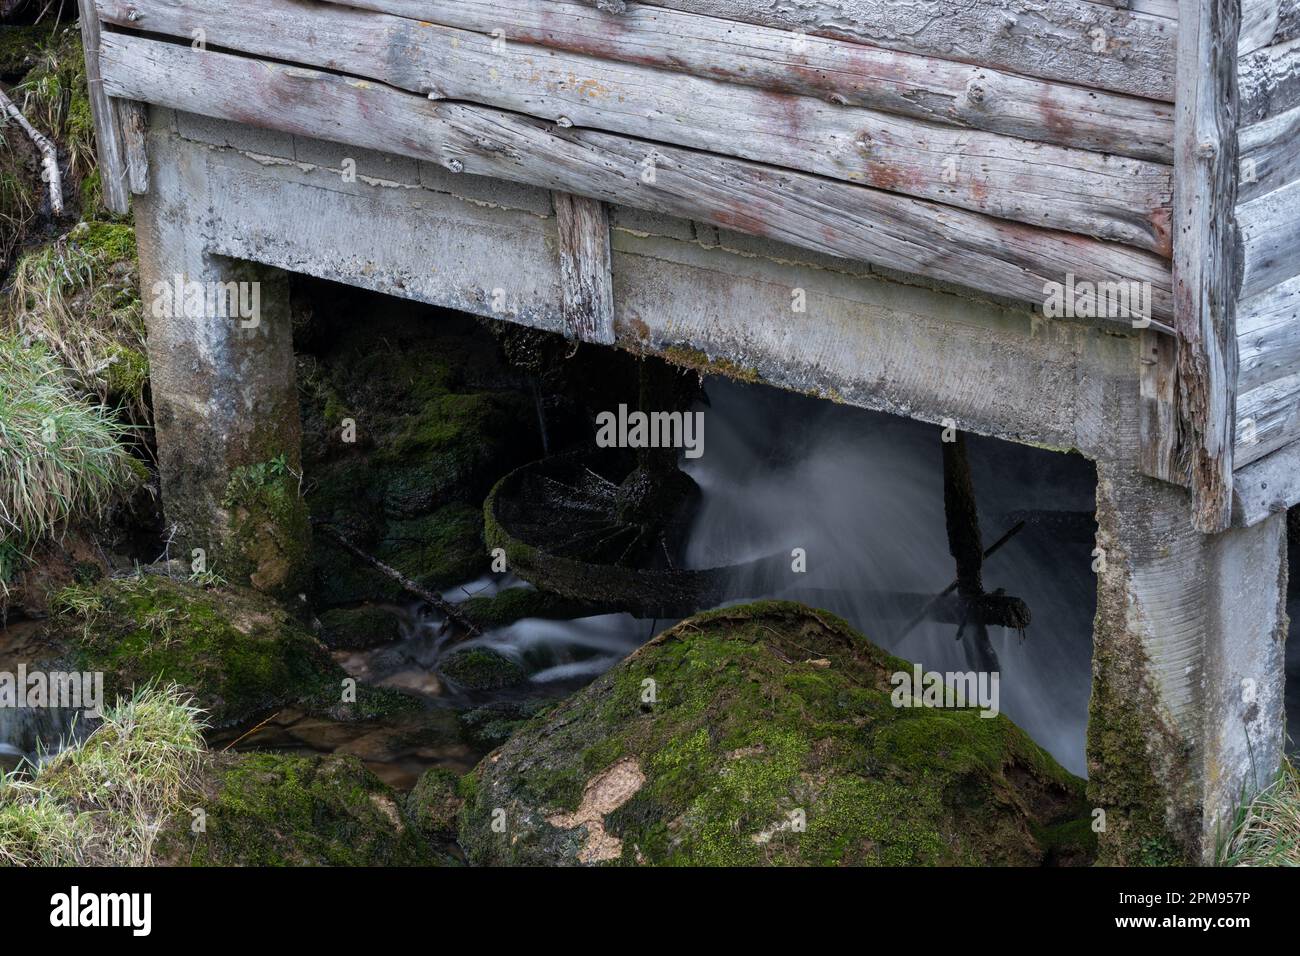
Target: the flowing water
pixel 862 495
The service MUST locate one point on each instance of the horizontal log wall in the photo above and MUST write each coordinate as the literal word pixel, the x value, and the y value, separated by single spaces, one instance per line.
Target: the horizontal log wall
pixel 905 234
pixel 1268 217
pixel 1072 190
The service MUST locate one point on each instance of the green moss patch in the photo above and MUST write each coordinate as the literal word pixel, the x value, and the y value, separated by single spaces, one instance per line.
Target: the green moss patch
pixel 276 810
pixel 479 668
pixel 765 734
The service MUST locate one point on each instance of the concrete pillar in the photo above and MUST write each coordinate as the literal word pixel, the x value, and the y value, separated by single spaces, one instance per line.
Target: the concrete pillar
pixel 1186 717
pixel 224 396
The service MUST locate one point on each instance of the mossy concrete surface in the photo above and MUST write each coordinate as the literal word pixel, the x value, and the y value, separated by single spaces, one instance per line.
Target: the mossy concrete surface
pixel 262 809
pixel 766 734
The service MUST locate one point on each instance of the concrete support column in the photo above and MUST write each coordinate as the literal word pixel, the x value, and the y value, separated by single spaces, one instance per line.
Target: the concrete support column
pixel 1186 717
pixel 224 396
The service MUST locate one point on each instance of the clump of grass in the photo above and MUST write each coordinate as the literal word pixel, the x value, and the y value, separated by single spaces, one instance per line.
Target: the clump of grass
pixel 35 829
pixel 80 297
pixel 103 801
pixel 1268 829
pixel 61 459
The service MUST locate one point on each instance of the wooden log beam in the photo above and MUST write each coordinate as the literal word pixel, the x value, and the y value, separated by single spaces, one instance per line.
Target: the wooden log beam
pixel 1266 487
pixel 840 219
pixel 838 71
pixel 1268 418
pixel 1205 253
pixel 583 227
pixel 1269 81
pixel 1268 335
pixel 1270 239
pixel 1070 41
pixel 110 152
pixel 1119 199
pixel 1259 20
pixel 1269 158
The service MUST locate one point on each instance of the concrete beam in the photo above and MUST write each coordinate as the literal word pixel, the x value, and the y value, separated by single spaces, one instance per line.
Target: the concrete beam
pixel 1187 713
pixel 727 303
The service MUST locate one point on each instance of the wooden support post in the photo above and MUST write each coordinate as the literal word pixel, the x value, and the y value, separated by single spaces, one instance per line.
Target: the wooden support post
pixel 1206 279
pixel 108 129
pixel 133 118
pixel 585 268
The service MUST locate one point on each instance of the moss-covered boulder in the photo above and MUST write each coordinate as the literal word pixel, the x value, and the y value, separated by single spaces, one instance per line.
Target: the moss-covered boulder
pixel 261 809
pixel 766 734
pixel 238 652
pixel 358 628
pixel 434 803
pixel 481 668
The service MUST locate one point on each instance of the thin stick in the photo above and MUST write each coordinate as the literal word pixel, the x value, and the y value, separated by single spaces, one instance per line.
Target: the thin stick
pixel 49 155
pixel 249 733
pixel 447 608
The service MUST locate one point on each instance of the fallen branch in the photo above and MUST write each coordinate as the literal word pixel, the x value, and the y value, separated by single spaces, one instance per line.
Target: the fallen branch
pixel 49 155
pixel 450 610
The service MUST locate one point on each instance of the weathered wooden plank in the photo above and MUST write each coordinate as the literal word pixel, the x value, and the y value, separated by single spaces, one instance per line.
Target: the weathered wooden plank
pixel 133 120
pixel 1107 197
pixel 841 72
pixel 1268 335
pixel 1259 19
pixel 1270 155
pixel 1205 246
pixel 110 153
pixel 1270 239
pixel 1158 407
pixel 582 225
pixel 1065 40
pixel 840 219
pixel 1268 417
pixel 1266 487
pixel 1269 81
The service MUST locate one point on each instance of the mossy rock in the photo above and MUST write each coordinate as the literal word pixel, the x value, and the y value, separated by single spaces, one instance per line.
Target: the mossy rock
pixel 770 739
pixel 270 541
pixel 237 651
pixel 479 668
pixel 434 803
pixel 514 604
pixel 358 628
pixel 263 809
pixel 494 723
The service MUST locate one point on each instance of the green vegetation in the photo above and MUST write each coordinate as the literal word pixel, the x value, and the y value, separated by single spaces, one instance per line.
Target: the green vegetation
pixel 143 789
pixel 63 459
pixel 54 98
pixel 80 297
pixel 766 734
pixel 273 810
pixel 270 527
pixel 1267 831
pixel 237 651
pixel 102 802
